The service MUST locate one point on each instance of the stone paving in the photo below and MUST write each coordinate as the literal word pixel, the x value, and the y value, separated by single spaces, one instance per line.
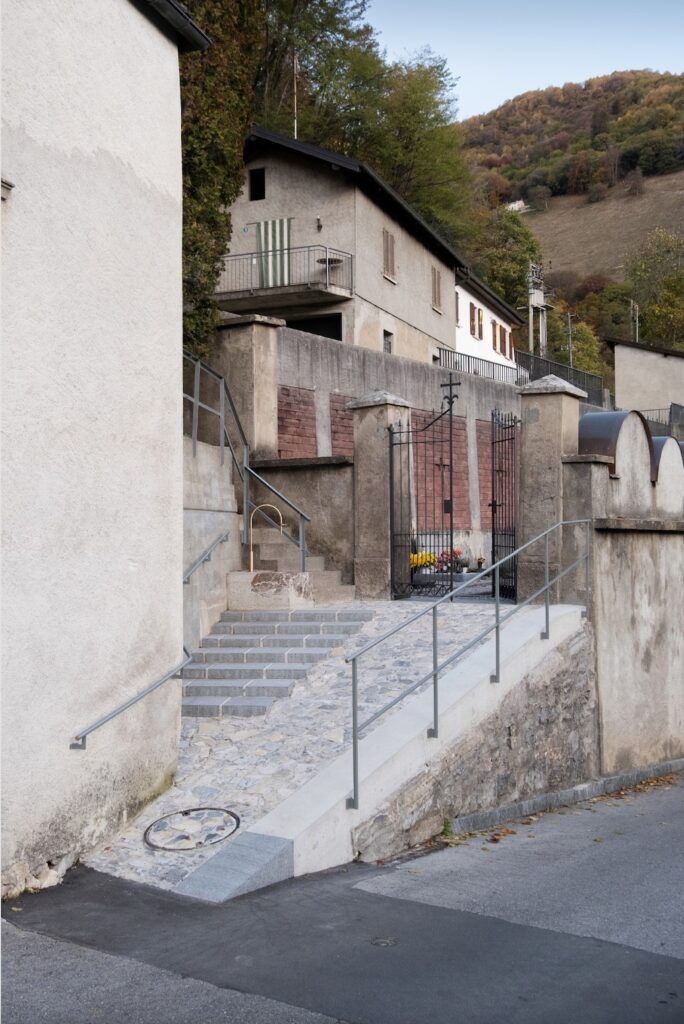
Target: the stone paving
pixel 251 765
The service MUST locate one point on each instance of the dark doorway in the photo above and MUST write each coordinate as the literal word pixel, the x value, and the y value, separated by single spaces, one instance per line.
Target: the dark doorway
pixel 327 326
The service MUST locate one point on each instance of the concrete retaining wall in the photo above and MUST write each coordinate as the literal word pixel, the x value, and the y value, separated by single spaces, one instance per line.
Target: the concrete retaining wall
pixel 543 736
pixel 209 509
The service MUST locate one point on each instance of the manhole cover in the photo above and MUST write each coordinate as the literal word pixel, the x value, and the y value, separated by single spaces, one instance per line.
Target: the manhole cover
pixel 384 942
pixel 191 829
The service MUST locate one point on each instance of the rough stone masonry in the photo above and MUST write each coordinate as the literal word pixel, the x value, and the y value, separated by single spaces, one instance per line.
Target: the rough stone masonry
pixel 543 737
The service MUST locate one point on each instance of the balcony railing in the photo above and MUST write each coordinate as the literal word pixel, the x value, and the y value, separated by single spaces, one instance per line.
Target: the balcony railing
pixel 308 266
pixel 538 366
pixel 452 360
pixel 528 367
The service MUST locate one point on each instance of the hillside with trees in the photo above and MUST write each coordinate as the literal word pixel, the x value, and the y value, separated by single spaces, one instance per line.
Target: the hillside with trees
pixel 580 138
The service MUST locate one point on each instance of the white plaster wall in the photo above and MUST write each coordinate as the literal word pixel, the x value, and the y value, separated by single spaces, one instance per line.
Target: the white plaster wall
pixel 303 191
pixel 472 346
pixel 92 447
pixel 647 380
pixel 404 308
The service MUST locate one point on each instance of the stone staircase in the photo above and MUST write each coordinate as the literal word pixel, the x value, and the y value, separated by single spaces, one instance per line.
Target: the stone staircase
pixel 252 658
pixel 273 553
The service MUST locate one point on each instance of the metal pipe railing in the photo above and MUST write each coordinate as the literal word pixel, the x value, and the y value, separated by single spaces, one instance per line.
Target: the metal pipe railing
pixel 79 739
pixel 227 414
pixel 304 266
pixel 205 556
pixel 438 667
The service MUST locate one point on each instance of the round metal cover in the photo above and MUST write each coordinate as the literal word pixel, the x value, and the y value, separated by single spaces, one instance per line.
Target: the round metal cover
pixel 191 829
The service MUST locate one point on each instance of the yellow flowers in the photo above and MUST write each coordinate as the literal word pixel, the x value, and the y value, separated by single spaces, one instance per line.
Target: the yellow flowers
pixel 422 560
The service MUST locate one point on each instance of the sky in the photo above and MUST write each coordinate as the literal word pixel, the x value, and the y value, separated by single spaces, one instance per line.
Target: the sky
pixel 500 49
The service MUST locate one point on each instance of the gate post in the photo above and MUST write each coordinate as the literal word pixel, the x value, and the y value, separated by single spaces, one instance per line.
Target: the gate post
pixel 550 422
pixel 373 414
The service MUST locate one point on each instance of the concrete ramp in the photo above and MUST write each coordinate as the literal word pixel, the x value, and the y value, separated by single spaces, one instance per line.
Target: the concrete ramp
pixel 409 782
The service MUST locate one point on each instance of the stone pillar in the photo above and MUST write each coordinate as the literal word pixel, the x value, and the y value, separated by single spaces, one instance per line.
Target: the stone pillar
pixel 550 420
pixel 247 356
pixel 373 414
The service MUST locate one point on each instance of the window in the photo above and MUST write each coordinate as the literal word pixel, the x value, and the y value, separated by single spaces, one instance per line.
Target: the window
pixel 458 318
pixel 257 183
pixel 494 334
pixel 502 339
pixel 388 267
pixel 436 290
pixel 480 324
pixel 387 342
pixel 472 319
pixel 511 346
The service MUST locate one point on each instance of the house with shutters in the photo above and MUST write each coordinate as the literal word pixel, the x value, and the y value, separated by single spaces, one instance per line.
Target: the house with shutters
pixel 321 241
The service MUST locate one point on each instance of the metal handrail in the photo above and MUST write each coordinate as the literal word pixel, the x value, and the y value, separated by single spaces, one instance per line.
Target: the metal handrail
pixel 242 465
pixel 437 666
pixel 206 555
pixel 79 740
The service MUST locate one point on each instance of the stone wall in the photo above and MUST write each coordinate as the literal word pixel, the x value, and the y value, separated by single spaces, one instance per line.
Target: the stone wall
pixel 304 384
pixel 542 737
pixel 606 468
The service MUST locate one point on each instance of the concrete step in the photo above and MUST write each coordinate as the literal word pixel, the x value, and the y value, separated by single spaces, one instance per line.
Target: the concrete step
pixel 260 655
pixel 244 631
pixel 233 670
pixel 273 688
pixel 221 707
pixel 299 615
pixel 302 639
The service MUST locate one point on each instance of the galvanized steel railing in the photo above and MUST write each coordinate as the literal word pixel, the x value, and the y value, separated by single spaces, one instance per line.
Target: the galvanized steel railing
pixel 308 266
pixel 439 667
pixel 230 434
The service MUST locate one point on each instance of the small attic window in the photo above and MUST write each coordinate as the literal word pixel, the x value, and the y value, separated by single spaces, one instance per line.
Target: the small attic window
pixel 257 183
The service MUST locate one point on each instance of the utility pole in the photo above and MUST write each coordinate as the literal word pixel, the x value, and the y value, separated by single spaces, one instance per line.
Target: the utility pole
pixel 571 317
pixel 295 69
pixel 634 317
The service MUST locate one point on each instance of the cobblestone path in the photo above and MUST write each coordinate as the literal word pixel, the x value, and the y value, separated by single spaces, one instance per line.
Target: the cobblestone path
pixel 250 765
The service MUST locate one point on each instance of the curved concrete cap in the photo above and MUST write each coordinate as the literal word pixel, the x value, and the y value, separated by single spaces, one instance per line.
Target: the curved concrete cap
pixel 659 443
pixel 599 433
pixel 377 398
pixel 551 385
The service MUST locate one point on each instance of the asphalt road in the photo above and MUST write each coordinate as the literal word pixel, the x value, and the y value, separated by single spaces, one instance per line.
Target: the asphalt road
pixel 578 917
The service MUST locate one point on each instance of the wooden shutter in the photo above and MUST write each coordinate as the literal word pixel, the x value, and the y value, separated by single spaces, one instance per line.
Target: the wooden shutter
pixel 472 318
pixel 480 324
pixel 388 254
pixel 436 289
pixel 494 334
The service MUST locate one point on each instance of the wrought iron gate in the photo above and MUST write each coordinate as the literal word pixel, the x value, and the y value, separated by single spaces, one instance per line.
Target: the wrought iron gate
pixel 422 496
pixel 504 503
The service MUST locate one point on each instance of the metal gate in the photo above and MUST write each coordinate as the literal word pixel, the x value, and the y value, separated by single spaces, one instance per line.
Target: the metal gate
pixel 504 503
pixel 424 559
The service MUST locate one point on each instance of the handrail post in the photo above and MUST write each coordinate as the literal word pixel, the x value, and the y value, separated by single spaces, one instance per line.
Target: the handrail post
pixel 327 267
pixel 587 545
pixel 195 406
pixel 302 545
pixel 547 632
pixel 433 733
pixel 353 800
pixel 496 677
pixel 222 419
pixel 245 494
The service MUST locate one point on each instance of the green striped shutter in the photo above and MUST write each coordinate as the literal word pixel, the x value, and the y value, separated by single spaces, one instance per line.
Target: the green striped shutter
pixel 273 245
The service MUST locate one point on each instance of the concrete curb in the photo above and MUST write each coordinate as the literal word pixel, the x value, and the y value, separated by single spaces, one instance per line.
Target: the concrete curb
pixel 575 795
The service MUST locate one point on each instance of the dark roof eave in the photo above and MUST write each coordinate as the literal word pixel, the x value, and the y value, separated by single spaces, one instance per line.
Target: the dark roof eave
pixel 189 35
pixel 612 342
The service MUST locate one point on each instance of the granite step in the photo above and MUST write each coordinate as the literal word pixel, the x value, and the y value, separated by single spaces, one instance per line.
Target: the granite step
pixel 253 658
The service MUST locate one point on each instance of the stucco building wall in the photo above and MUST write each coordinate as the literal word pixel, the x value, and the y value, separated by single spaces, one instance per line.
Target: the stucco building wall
pixel 92 447
pixel 647 380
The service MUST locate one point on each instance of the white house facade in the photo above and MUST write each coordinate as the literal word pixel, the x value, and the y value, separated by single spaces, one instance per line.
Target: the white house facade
pixel 92 446
pixel 321 241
